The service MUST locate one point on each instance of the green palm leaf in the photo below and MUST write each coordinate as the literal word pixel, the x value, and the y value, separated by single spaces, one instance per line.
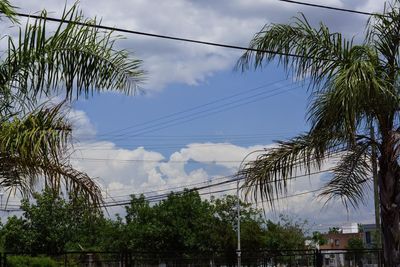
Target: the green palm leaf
pixel 77 59
pixel 33 147
pixel 319 51
pixel 352 176
pixel 270 173
pixel 8 10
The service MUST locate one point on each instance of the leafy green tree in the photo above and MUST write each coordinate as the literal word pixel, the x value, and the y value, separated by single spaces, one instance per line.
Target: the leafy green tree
pixel 75 59
pixel 143 227
pixel 356 244
pixel 113 235
pixel 334 230
pixel 225 235
pixel 354 87
pixel 319 238
pixel 43 228
pixel 286 234
pixel 187 225
pixel 186 219
pixel 53 225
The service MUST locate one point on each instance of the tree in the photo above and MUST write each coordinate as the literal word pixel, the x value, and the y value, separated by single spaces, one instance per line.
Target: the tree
pixel 77 59
pixel 334 230
pixel 286 234
pixel 53 225
pixel 318 239
pixel 357 245
pixel 252 229
pixel 353 87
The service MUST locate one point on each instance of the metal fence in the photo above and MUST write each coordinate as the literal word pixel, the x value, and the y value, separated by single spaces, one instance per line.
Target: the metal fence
pixel 283 258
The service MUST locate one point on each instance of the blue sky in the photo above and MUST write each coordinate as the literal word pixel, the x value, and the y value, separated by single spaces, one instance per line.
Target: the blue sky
pixel 197 109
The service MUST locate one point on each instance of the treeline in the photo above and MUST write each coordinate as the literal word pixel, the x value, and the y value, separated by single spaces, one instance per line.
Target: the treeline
pixel 183 223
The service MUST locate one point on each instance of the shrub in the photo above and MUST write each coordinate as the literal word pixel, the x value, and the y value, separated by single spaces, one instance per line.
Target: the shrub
pixel 26 261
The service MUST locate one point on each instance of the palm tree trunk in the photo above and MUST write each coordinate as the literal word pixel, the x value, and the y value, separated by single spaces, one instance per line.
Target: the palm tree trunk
pixel 389 193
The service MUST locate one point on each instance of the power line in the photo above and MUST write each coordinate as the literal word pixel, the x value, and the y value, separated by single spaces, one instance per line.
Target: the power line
pixel 329 7
pixel 158 161
pixel 177 187
pixel 163 196
pixel 195 107
pixel 199 115
pixel 160 197
pixel 203 113
pixel 167 37
pixel 193 144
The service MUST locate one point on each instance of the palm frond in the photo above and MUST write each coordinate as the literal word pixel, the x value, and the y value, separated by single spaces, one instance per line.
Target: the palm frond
pixel 318 50
pixel 357 90
pixel 43 133
pixel 8 10
pixel 384 34
pixel 352 176
pixel 24 175
pixel 268 175
pixel 33 147
pixel 78 59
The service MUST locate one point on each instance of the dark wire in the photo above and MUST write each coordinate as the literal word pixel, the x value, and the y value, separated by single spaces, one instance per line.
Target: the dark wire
pixel 329 7
pixel 168 37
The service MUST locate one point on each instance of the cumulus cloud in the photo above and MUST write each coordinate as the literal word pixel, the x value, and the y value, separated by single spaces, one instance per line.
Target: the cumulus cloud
pixel 122 172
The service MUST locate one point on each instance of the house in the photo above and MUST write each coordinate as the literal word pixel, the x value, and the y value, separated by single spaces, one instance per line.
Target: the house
pixel 369 236
pixel 339 240
pixel 334 251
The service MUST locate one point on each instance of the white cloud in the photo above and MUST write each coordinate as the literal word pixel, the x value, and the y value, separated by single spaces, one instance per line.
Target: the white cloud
pixel 230 22
pixel 123 171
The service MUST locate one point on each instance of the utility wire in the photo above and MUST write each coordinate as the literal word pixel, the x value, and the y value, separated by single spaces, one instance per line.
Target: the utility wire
pixel 163 196
pixel 199 115
pixel 158 198
pixel 329 7
pixel 195 107
pixel 158 161
pixel 193 144
pixel 180 116
pixel 167 37
pixel 176 187
pixel 235 180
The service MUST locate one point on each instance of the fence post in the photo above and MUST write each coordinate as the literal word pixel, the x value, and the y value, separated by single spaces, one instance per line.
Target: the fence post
pixel 319 259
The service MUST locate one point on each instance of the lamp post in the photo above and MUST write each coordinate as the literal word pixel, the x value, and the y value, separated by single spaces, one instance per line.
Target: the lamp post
pixel 1 199
pixel 238 251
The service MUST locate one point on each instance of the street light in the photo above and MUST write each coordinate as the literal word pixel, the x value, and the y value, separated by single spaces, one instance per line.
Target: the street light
pixel 1 199
pixel 238 225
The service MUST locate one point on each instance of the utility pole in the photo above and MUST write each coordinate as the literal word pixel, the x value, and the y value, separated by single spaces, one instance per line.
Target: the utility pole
pixel 238 251
pixel 374 159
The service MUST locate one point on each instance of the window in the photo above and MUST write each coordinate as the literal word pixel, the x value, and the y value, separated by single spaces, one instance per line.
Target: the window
pixel 368 237
pixel 337 242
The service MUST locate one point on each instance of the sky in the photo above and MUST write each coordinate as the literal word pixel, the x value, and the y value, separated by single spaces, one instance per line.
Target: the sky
pixel 199 117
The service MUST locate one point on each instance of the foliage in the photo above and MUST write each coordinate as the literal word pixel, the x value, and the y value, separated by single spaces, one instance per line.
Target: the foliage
pixel 287 234
pixel 334 230
pixel 355 243
pixel 26 261
pixel 181 226
pixel 52 225
pixel 319 238
pixel 76 59
pixel 354 113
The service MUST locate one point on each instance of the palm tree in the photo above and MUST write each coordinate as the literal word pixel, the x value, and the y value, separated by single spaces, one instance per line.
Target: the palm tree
pixel 352 86
pixel 75 60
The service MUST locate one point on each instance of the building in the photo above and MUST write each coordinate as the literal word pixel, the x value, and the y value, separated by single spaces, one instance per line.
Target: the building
pixel 369 236
pixel 334 251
